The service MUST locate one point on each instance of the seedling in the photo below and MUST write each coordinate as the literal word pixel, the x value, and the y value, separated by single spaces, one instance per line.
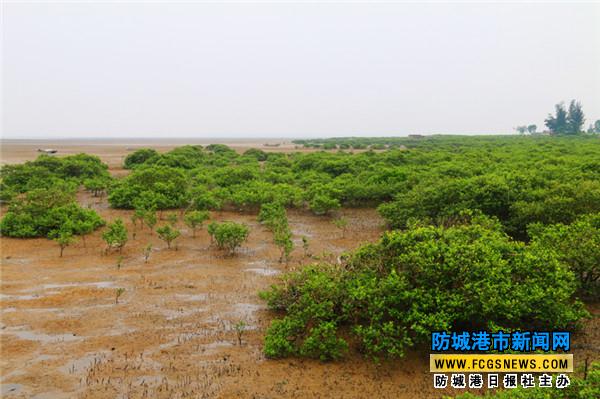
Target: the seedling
pixel 341 223
pixel 240 327
pixel 147 252
pixel 118 292
pixel 305 246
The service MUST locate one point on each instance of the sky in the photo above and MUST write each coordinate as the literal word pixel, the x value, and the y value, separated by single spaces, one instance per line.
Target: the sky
pixel 281 69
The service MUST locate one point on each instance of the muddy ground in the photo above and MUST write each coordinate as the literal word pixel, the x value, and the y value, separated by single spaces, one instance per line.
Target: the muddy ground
pixel 172 333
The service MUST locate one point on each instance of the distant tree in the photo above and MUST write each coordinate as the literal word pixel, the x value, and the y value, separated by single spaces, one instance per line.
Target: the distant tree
pixel 532 129
pixel 597 126
pixel 557 123
pixel 139 157
pixel 259 155
pixel 576 118
pixel 194 220
pixel 116 235
pixel 521 129
pixel 167 233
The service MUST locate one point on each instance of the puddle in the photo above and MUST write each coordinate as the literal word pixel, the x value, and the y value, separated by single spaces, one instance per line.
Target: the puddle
pixel 98 284
pixel 246 309
pixel 300 229
pixel 214 347
pixel 29 335
pixel 42 358
pixel 263 272
pixel 20 297
pixel 11 389
pixel 192 297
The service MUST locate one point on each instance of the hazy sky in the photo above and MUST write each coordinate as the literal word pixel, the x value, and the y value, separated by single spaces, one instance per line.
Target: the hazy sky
pixel 241 69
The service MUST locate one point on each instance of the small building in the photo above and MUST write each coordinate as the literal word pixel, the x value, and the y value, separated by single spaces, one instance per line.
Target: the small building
pixel 415 136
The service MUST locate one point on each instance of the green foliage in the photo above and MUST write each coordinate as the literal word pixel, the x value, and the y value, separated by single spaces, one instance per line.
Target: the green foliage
pixel 578 246
pixel 42 211
pixel 168 234
pixel 155 187
pixel 172 218
pixel 64 237
pixel 47 172
pixel 97 185
pixel 115 235
pixel 322 204
pixel 580 388
pixel 392 294
pixel 139 157
pixel 519 179
pixel 563 122
pixel 282 237
pixel 150 219
pixel 195 219
pixel 257 154
pixel 274 216
pixel 228 235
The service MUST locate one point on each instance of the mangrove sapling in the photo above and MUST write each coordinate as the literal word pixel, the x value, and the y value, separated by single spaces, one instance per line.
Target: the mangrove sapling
pixel 341 223
pixel 119 262
pixel 147 252
pixel 118 292
pixel 64 238
pixel 195 219
pixel 168 234
pixel 116 235
pixel 228 235
pixel 305 246
pixel 240 328
pixel 151 220
pixel 134 218
pixel 282 236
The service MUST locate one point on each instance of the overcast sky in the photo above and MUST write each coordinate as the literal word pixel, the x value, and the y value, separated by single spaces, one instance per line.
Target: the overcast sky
pixel 243 69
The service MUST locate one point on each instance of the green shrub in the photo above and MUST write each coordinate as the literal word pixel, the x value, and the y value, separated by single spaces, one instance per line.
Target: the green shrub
pixel 588 388
pixel 322 204
pixel 168 234
pixel 393 293
pixel 228 235
pixel 578 246
pixel 156 187
pixel 41 211
pixel 138 157
pixel 195 219
pixel 115 235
